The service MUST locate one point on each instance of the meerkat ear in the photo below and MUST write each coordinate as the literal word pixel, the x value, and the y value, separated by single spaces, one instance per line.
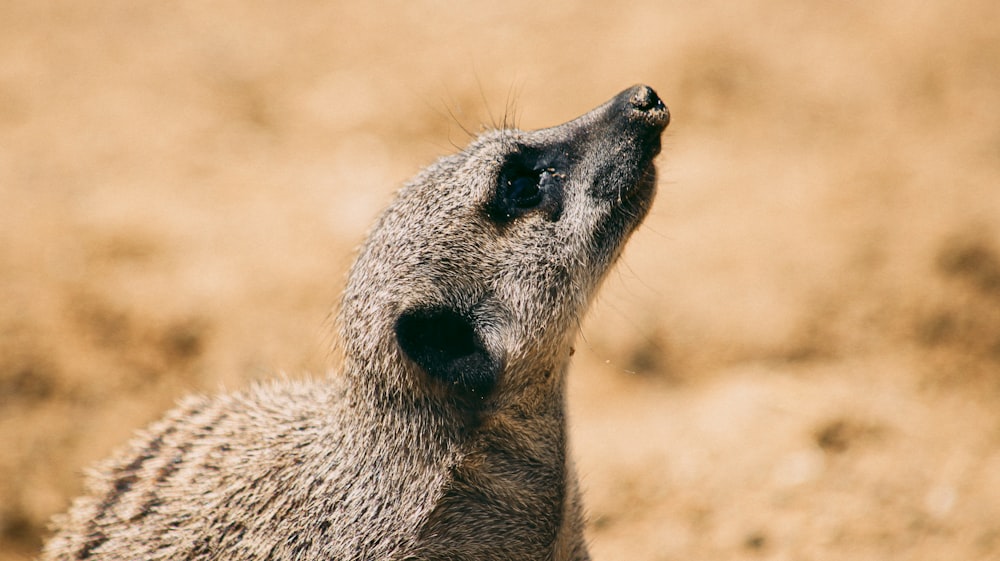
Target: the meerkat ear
pixel 445 344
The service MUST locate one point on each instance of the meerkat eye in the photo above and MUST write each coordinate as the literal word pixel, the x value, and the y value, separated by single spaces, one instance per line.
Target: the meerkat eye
pixel 526 187
pixel 523 191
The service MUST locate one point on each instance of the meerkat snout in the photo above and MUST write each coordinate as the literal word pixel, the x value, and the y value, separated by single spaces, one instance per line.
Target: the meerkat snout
pixel 442 434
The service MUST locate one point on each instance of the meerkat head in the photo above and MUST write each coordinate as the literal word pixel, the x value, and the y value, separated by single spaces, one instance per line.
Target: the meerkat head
pixel 475 277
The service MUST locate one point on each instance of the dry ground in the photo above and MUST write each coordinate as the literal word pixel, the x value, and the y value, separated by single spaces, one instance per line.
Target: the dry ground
pixel 799 357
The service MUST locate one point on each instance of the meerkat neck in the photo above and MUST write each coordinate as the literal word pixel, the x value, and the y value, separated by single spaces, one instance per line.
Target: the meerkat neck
pixel 486 483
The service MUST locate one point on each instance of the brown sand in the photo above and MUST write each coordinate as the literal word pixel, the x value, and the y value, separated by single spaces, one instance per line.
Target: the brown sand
pixel 799 357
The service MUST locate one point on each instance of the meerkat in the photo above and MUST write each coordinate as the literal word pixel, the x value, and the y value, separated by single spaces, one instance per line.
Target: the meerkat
pixel 443 434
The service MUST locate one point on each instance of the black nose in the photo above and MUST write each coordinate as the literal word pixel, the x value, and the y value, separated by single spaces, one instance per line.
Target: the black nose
pixel 646 105
pixel 644 98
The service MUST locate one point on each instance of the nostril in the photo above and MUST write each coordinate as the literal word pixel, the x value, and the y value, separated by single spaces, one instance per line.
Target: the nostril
pixel 645 99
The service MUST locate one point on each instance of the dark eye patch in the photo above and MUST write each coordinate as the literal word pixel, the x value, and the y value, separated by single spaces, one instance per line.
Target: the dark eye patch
pixel 527 184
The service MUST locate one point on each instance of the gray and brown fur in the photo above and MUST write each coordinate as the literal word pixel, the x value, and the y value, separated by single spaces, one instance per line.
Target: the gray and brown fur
pixel 443 434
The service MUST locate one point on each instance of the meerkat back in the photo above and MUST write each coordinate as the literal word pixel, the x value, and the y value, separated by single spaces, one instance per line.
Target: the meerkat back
pixel 442 433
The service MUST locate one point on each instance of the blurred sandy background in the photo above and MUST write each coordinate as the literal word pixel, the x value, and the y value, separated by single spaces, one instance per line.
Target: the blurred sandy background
pixel 798 358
